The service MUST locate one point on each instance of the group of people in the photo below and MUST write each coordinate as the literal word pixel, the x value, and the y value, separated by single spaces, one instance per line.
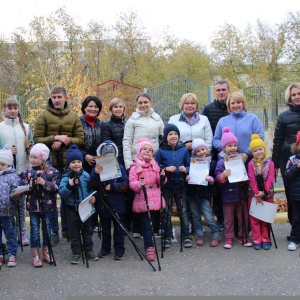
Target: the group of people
pixel 60 158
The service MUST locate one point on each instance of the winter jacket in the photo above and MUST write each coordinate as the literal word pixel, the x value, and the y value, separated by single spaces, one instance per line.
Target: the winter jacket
pixel 287 126
pixel 141 125
pixel 49 190
pixel 150 172
pixel 115 196
pixel 231 192
pixel 189 132
pixel 214 112
pixel 68 192
pixel 292 174
pixel 114 130
pixel 178 156
pixel 9 181
pixel 242 125
pixel 52 122
pixel 92 140
pixel 11 133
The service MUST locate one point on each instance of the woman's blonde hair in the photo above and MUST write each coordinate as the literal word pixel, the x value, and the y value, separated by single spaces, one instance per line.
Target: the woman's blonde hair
pixel 189 96
pixel 237 96
pixel 115 101
pixel 288 91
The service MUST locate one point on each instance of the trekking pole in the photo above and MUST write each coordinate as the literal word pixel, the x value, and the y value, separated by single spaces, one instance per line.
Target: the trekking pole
pixel 151 225
pixel 115 215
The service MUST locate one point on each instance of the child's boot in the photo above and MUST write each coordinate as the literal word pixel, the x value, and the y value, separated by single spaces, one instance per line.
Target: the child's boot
pixel 36 258
pixel 46 256
pixel 150 253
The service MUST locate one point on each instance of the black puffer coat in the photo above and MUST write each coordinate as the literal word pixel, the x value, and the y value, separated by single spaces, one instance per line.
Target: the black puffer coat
pixel 292 174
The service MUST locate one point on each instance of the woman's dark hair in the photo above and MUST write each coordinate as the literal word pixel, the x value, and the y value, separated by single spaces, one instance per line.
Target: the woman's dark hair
pixel 87 100
pixel 143 95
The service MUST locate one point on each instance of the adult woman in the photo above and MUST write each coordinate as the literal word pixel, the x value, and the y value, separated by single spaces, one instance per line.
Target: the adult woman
pixel 190 123
pixel 287 126
pixel 241 123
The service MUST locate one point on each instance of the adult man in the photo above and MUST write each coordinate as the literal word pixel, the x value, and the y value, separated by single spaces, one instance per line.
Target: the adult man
pixel 214 111
pixel 58 127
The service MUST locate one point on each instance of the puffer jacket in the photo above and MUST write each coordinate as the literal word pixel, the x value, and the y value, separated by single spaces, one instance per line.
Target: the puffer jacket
pixel 292 174
pixel 141 125
pixel 52 122
pixel 9 181
pixel 150 172
pixel 287 126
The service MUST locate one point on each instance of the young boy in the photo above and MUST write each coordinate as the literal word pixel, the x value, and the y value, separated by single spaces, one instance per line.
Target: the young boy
pixel 173 156
pixel 115 190
pixel 9 180
pixel 73 188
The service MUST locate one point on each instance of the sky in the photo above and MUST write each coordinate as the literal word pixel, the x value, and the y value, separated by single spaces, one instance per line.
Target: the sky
pixel 194 20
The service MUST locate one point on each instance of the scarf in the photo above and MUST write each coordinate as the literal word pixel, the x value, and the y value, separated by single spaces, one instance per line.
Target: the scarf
pixel 140 164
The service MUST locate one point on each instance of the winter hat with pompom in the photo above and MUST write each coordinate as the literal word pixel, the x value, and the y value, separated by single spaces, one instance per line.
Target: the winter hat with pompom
pixel 40 150
pixel 74 154
pixel 141 143
pixel 256 141
pixel 197 143
pixel 6 156
pixel 228 137
pixel 107 146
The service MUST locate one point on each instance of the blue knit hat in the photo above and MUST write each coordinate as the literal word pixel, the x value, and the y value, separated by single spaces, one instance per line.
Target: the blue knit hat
pixel 74 154
pixel 170 127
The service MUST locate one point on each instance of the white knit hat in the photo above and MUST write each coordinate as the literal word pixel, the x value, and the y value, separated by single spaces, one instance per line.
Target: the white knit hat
pixel 197 143
pixel 40 150
pixel 6 156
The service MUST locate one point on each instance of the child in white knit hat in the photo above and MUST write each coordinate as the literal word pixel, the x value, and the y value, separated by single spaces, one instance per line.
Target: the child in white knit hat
pixel 9 180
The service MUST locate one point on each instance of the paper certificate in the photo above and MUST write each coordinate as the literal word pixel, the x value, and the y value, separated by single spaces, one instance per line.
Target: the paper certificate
pixel 199 169
pixel 86 209
pixel 111 168
pixel 264 211
pixel 20 189
pixel 235 163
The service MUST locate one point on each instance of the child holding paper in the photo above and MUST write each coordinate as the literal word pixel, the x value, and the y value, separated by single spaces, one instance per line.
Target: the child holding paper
pixel 232 193
pixel 261 181
pixel 74 188
pixel 198 197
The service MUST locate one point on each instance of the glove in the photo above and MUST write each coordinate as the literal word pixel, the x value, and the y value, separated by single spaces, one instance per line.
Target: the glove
pixel 210 180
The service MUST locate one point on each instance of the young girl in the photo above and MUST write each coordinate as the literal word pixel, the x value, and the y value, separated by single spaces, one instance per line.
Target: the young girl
pixel 263 167
pixel 9 181
pixel 15 132
pixel 145 172
pixel 232 193
pixel 41 198
pixel 198 197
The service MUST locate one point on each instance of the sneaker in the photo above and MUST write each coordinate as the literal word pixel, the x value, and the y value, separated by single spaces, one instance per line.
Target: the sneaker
pixel 246 242
pixel 54 239
pixel 266 246
pixel 64 233
pixel 25 241
pixel 200 241
pixel 1 260
pixel 90 255
pixel 167 243
pixel 214 243
pixel 293 246
pixel 118 256
pixel 228 243
pixel 136 235
pixel 75 259
pixel 103 253
pixel 12 260
pixel 256 246
pixel 187 242
pixel 150 252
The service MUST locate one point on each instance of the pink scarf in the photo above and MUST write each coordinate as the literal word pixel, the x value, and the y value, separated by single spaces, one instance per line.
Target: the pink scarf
pixel 141 163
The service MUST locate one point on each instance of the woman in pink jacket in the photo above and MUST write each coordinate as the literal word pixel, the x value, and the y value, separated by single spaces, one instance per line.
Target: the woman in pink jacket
pixel 145 172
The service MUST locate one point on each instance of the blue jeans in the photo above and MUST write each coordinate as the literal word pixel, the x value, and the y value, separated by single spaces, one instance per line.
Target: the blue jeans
pixel 35 221
pixel 198 205
pixel 146 228
pixel 9 228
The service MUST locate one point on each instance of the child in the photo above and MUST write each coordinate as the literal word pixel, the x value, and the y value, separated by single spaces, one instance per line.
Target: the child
pixel 145 172
pixel 73 188
pixel 198 197
pixel 261 167
pixel 9 181
pixel 40 199
pixel 175 159
pixel 232 193
pixel 115 190
pixel 15 132
pixel 292 174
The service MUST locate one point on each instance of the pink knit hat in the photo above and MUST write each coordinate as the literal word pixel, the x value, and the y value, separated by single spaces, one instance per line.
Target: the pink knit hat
pixel 228 137
pixel 141 143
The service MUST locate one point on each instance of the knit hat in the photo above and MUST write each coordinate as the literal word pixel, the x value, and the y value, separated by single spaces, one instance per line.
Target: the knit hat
pixel 6 156
pixel 170 127
pixel 108 146
pixel 141 143
pixel 40 150
pixel 74 154
pixel 197 143
pixel 256 141
pixel 228 137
